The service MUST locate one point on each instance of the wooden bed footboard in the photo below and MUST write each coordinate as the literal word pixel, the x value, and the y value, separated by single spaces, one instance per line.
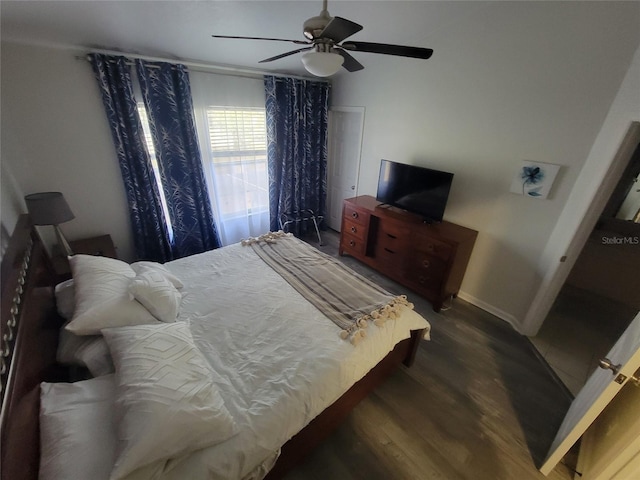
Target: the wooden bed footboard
pixel 324 424
pixel 29 334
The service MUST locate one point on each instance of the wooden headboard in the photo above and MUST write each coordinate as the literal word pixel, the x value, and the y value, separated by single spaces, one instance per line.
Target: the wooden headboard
pixel 29 336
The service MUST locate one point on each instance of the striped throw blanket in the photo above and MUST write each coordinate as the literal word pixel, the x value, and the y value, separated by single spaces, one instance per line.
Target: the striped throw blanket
pixel 348 299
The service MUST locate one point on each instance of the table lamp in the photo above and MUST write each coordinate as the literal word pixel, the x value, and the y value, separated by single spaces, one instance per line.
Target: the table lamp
pixel 50 208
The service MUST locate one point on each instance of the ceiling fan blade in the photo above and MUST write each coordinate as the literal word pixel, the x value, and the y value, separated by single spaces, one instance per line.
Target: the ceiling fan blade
pixel 300 42
pixel 399 50
pixel 340 28
pixel 350 63
pixel 282 55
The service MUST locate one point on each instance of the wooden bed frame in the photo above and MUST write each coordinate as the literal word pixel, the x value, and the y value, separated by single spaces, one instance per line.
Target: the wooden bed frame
pixel 29 336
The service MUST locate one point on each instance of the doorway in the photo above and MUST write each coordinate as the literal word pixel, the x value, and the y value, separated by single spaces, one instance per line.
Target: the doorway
pixel 346 125
pixel 601 295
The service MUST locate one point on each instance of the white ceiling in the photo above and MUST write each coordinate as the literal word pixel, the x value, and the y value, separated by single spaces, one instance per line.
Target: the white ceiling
pixel 459 32
pixel 182 29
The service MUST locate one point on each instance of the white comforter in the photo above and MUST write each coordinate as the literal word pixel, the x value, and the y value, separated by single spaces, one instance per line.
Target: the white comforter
pixel 278 361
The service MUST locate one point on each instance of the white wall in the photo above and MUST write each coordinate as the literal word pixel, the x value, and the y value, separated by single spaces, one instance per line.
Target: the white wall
pixel 11 199
pixel 55 137
pixel 537 87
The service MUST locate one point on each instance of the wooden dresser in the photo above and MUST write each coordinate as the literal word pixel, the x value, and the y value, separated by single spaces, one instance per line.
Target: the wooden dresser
pixel 430 259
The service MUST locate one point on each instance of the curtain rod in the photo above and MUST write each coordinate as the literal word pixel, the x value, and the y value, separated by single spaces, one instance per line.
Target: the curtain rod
pixel 200 67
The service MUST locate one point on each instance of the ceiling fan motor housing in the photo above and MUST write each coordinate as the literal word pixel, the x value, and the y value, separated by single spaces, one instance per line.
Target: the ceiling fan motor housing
pixel 313 27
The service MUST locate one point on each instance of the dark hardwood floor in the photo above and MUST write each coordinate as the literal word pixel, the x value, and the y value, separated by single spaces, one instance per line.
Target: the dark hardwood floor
pixel 479 403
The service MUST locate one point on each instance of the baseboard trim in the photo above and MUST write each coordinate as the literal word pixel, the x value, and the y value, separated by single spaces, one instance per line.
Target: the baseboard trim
pixel 501 314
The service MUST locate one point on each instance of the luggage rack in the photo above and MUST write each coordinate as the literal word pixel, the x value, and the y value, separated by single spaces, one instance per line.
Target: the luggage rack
pixel 298 216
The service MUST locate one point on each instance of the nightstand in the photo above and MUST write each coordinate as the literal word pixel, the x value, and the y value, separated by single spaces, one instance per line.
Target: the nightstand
pixel 102 246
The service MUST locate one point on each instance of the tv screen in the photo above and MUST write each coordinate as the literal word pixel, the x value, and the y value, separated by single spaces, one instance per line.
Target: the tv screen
pixel 416 189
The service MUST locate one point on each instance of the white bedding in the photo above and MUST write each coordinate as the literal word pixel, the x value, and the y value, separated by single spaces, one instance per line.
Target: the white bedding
pixel 277 361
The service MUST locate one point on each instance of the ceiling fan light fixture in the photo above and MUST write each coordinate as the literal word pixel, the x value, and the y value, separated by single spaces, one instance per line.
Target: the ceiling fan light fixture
pixel 322 64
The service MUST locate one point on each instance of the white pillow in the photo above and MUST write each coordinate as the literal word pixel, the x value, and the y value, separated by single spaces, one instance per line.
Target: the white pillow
pixel 77 430
pixel 102 295
pixel 166 401
pixel 65 299
pixel 90 351
pixel 157 294
pixel 144 266
pixel 95 355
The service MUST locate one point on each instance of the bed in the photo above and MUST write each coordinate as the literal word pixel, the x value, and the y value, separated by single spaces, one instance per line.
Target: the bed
pixel 285 375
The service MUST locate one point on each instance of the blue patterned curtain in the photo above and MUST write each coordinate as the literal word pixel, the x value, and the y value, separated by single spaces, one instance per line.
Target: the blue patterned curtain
pixel 167 96
pixel 297 119
pixel 150 233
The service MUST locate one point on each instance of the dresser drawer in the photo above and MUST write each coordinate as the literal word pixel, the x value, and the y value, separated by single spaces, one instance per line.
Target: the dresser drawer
pixel 390 259
pixel 355 229
pixel 431 246
pixel 426 270
pixel 393 236
pixel 352 245
pixel 389 255
pixel 355 215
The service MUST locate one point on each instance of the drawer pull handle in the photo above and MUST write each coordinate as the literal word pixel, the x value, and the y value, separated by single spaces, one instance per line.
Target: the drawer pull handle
pixel 422 279
pixel 391 236
pixel 426 263
pixel 354 214
pixel 390 251
pixel 354 229
pixel 352 243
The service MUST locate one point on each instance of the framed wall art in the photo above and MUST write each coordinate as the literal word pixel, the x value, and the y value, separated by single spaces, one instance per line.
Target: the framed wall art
pixel 534 179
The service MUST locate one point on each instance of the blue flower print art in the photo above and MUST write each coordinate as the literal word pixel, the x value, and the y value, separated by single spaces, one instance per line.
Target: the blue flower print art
pixel 534 179
pixel 532 176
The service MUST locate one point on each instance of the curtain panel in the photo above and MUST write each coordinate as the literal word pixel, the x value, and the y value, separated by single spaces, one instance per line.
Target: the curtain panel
pixel 150 233
pixel 167 96
pixel 297 124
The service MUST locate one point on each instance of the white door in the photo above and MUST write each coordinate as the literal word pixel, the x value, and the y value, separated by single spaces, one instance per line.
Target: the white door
pixel 345 141
pixel 599 390
pixel 610 448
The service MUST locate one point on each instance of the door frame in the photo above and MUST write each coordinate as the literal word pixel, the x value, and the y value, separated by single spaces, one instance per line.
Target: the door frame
pixel 360 110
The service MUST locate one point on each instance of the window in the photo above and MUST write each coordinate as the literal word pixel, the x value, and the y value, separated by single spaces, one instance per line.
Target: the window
pixel 238 156
pixel 146 129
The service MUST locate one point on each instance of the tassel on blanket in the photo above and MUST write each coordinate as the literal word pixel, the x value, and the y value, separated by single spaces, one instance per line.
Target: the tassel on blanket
pixel 357 336
pixel 390 311
pixel 270 237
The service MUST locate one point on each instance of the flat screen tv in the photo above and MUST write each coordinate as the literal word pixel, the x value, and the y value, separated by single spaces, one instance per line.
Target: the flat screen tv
pixel 420 190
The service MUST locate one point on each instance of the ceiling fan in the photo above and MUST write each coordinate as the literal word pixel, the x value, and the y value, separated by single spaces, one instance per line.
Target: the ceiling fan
pixel 327 51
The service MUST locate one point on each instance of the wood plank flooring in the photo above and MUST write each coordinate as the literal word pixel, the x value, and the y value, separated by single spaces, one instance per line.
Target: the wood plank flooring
pixel 479 403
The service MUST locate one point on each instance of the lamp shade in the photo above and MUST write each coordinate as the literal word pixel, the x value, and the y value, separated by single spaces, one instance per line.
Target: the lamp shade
pixel 48 208
pixel 322 64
